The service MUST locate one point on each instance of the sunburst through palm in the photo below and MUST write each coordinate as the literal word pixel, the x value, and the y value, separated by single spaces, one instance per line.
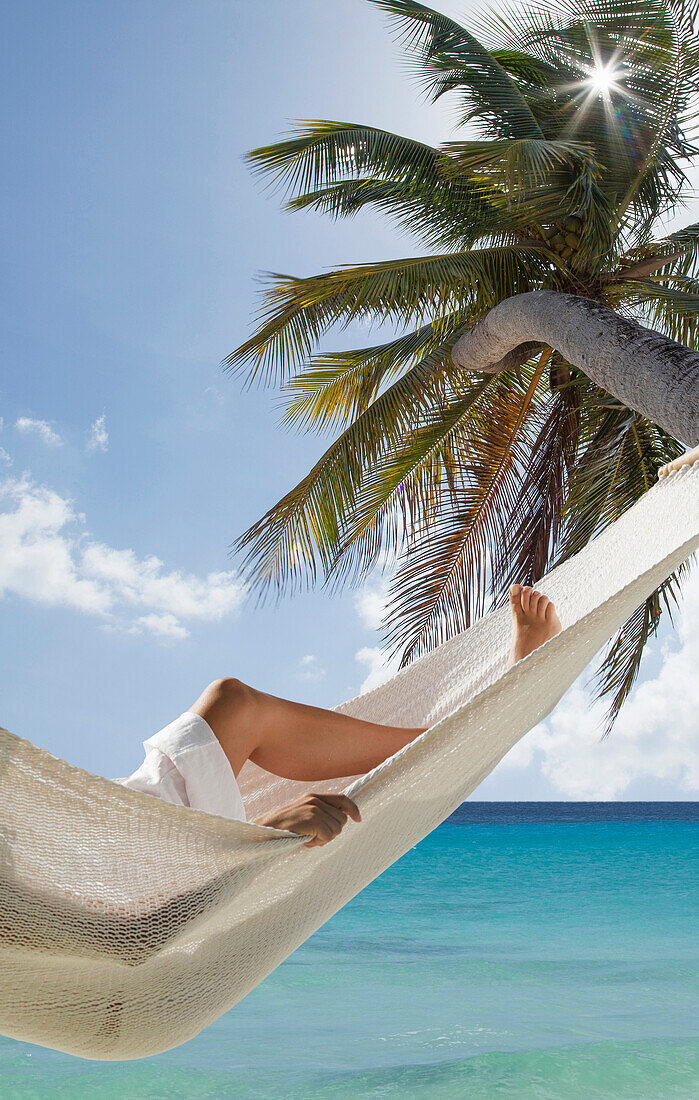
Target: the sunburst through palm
pixel 572 126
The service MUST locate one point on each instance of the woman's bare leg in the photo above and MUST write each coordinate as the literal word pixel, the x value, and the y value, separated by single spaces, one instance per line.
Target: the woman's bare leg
pixel 310 744
pixel 293 740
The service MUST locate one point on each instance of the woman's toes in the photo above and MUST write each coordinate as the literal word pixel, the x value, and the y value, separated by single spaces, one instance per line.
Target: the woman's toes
pixel 516 601
pixel 542 606
pixel 534 602
pixel 526 597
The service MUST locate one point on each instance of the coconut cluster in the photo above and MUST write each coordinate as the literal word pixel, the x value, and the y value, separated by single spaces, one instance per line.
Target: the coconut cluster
pixel 564 237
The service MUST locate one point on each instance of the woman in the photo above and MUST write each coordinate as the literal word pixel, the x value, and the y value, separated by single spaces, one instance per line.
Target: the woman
pixel 195 761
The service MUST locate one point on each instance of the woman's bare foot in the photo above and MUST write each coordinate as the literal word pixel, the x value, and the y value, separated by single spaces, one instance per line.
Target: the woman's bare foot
pixel 534 621
pixel 687 459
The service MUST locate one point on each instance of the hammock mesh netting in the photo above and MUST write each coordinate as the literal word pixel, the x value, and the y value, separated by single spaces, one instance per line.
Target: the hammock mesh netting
pixel 128 924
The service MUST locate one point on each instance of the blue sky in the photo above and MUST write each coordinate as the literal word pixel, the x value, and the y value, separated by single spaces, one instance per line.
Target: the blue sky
pixel 133 234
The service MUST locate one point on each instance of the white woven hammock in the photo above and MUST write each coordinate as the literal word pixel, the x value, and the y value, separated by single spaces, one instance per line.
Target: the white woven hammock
pixel 128 924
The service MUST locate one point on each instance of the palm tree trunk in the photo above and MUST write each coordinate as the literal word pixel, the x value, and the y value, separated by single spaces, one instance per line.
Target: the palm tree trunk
pixel 645 370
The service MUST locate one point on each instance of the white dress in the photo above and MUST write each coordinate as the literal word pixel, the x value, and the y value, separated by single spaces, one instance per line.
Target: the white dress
pixel 185 764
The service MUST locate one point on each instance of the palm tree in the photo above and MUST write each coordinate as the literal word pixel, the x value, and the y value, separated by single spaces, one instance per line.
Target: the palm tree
pixel 576 118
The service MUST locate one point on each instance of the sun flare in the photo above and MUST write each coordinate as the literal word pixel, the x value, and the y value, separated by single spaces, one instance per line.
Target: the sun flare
pixel 603 78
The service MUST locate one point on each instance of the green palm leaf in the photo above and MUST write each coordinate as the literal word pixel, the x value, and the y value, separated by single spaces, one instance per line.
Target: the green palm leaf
pixel 302 532
pixel 322 152
pixel 338 386
pixel 533 529
pixel 449 58
pixel 673 309
pixel 620 668
pixel 443 582
pixel 634 449
pixel 405 487
pixel 298 311
pixel 687 240
pixel 438 213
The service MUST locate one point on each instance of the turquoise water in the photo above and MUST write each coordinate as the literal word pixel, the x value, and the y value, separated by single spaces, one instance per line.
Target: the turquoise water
pixel 522 950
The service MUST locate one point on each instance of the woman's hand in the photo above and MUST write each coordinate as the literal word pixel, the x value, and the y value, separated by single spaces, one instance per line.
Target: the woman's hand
pixel 320 816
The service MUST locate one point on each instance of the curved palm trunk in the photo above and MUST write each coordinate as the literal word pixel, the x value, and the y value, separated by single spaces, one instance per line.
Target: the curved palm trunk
pixel 647 371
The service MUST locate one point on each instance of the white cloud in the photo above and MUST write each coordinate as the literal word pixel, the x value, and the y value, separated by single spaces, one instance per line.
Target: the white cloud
pixel 38 561
pixel 310 669
pixel 5 457
pixel 46 557
pixel 215 394
pixel 370 602
pixel 97 437
pixel 163 626
pixel 380 667
pixel 370 605
pixel 656 737
pixel 41 428
pixel 142 582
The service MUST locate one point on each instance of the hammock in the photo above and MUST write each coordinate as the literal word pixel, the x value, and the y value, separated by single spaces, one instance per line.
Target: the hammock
pixel 128 924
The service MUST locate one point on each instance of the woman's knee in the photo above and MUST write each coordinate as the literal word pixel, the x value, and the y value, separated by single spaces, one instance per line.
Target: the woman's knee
pixel 229 690
pixel 227 705
pixel 223 698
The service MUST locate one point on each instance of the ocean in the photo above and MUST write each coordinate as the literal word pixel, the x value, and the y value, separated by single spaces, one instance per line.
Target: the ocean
pixel 527 950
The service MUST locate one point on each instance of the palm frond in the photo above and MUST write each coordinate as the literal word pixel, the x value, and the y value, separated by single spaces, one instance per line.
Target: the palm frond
pixel 670 306
pixel 441 213
pixel 442 583
pixel 301 535
pixel 297 312
pixel 339 168
pixel 406 487
pixel 534 75
pixel 681 299
pixel 517 160
pixel 338 386
pixel 449 58
pixel 686 239
pixel 620 455
pixel 322 152
pixel 621 665
pixel 532 531
pixel 497 202
pixel 633 450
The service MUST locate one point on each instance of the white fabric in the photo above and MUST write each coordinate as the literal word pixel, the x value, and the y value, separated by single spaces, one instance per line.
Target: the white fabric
pixel 128 924
pixel 185 765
